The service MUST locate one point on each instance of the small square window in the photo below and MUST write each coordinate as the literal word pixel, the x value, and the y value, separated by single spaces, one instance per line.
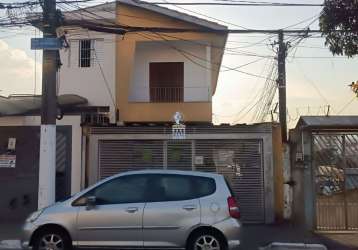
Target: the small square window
pixel 86 53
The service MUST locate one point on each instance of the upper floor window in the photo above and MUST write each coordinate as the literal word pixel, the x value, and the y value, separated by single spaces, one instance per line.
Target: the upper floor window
pixel 166 81
pixel 86 53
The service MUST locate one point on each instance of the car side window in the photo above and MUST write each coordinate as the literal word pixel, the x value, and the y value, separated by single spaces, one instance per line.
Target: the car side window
pixel 177 187
pixel 126 189
pixel 170 187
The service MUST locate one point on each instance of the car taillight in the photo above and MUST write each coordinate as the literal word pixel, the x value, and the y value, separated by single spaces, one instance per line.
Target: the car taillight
pixel 234 210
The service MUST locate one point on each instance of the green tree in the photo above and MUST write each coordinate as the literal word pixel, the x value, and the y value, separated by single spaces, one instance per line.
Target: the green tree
pixel 339 24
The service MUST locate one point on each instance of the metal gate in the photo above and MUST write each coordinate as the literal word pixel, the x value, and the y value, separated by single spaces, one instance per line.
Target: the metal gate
pixel 336 177
pixel 241 161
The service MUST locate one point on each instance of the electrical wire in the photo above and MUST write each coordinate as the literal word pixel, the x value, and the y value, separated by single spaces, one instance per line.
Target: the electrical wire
pixel 346 105
pixel 200 14
pixel 312 83
pixel 102 72
pixel 246 3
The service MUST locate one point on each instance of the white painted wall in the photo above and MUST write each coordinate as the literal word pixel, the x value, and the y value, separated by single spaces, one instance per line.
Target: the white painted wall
pixel 96 83
pixel 77 172
pixel 197 79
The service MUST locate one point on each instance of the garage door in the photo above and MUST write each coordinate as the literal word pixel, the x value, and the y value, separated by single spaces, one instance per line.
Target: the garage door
pixel 239 160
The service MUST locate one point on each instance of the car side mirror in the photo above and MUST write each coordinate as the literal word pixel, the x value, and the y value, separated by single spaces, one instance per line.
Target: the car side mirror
pixel 90 202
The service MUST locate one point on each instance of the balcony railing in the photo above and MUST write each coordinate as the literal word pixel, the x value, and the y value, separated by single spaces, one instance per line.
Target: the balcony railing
pixel 152 94
pixel 166 94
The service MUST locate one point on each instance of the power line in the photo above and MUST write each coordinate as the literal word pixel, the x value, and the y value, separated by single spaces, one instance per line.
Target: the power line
pixel 212 18
pixel 312 84
pixel 102 71
pixel 200 58
pixel 248 3
pixel 346 105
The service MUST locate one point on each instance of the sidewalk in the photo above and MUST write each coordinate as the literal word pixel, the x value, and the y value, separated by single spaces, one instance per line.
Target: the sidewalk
pixel 9 235
pixel 252 238
pixel 10 230
pixel 255 236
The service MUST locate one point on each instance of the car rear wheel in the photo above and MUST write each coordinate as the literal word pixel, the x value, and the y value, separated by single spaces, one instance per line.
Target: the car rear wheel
pixel 52 240
pixel 206 241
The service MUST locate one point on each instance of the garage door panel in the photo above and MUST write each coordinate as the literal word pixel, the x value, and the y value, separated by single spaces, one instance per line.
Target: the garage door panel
pixel 117 156
pixel 241 162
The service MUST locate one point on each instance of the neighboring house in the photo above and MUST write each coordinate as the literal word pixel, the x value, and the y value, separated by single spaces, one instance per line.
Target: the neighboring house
pixel 324 167
pixel 20 146
pixel 134 84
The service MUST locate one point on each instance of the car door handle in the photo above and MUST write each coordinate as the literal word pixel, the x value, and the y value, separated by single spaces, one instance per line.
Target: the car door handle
pixel 131 210
pixel 189 207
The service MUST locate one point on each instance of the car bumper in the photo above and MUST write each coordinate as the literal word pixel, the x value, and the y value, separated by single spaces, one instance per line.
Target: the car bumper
pixel 27 230
pixel 231 229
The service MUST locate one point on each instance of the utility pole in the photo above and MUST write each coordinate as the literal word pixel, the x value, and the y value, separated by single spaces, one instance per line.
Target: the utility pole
pixel 47 169
pixel 281 81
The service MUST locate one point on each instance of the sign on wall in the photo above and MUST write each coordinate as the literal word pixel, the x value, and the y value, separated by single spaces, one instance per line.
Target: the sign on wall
pixel 7 161
pixel 178 129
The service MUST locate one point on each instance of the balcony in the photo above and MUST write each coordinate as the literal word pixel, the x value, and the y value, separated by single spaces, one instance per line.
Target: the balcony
pixel 160 94
pixel 167 94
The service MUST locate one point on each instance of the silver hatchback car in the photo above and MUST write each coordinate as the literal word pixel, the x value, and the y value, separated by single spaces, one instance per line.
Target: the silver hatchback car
pixel 143 210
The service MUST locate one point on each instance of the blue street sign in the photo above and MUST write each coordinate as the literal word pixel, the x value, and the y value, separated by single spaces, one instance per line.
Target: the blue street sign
pixel 47 43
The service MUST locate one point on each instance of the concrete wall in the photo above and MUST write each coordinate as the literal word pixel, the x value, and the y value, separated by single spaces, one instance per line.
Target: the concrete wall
pixel 196 78
pixel 96 83
pixel 76 160
pixel 18 185
pixel 278 171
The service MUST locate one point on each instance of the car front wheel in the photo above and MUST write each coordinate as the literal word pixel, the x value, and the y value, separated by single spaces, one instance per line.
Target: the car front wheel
pixel 52 240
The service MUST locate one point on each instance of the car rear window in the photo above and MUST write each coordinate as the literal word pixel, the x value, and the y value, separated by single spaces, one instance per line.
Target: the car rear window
pixel 204 186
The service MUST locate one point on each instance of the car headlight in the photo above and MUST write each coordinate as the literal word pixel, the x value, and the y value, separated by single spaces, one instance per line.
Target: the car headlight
pixel 34 216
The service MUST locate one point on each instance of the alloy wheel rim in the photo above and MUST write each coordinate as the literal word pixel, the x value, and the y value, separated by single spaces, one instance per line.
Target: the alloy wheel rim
pixel 51 242
pixel 207 242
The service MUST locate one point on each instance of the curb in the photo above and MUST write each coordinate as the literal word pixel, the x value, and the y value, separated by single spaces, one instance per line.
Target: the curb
pixel 10 244
pixel 293 246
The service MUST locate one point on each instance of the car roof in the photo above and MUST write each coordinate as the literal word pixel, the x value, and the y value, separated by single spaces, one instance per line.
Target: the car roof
pixel 165 171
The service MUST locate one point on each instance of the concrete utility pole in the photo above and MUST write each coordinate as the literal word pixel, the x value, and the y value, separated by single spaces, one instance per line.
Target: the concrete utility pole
pixel 281 81
pixel 47 171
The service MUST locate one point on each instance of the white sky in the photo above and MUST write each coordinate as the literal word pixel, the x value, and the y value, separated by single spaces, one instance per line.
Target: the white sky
pixel 236 92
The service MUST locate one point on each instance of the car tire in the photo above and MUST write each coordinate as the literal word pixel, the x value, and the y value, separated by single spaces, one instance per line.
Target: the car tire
pixel 52 238
pixel 207 239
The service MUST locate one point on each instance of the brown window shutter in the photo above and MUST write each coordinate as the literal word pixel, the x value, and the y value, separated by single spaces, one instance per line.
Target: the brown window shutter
pixel 166 81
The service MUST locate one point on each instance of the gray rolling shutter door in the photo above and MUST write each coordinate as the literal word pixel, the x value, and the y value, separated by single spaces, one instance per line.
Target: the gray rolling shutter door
pixel 116 156
pixel 179 155
pixel 240 161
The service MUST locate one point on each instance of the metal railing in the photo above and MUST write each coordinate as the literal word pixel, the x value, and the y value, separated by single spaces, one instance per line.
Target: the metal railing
pixel 171 94
pixel 166 94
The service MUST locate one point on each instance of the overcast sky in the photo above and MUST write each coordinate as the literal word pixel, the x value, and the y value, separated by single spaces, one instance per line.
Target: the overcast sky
pixel 315 78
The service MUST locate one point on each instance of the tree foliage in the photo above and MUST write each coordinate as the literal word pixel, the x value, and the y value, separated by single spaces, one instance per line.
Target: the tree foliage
pixel 339 24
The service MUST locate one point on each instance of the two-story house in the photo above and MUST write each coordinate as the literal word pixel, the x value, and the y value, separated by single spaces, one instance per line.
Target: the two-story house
pixel 143 76
pixel 163 63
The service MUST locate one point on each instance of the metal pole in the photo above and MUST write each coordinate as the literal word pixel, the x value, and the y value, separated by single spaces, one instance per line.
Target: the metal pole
pixel 282 53
pixel 47 169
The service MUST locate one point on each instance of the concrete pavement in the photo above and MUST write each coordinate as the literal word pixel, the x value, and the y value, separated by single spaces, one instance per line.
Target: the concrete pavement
pixel 253 237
